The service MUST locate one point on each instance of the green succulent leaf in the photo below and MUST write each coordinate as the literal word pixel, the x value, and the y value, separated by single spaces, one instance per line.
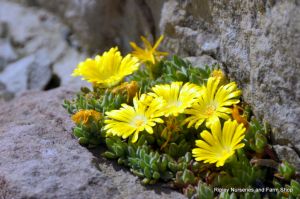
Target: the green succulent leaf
pixel 295 188
pixel 286 170
pixel 204 191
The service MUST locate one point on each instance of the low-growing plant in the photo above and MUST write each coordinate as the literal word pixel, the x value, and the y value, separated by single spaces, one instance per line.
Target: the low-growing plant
pixel 167 120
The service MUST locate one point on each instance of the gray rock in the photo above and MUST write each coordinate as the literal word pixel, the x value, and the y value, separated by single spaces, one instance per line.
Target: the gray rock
pixel 65 66
pixel 5 95
pixel 39 73
pixel 39 158
pixel 203 60
pixel 99 25
pixel 3 29
pixel 22 29
pixel 185 28
pixel 4 190
pixel 32 72
pixel 39 41
pixel 258 44
pixel 2 64
pixel 288 154
pixel 15 76
pixel 7 52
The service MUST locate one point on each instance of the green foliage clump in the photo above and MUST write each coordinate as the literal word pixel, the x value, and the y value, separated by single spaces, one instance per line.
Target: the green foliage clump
pixel 240 173
pixel 168 71
pixel 100 100
pixel 165 155
pixel 256 137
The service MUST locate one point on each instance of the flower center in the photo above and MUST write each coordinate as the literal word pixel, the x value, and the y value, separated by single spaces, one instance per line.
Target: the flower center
pixel 227 149
pixel 175 104
pixel 139 121
pixel 210 109
pixel 178 103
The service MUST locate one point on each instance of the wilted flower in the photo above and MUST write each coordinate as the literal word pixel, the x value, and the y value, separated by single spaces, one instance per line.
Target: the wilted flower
pixel 130 88
pixel 83 116
pixel 239 118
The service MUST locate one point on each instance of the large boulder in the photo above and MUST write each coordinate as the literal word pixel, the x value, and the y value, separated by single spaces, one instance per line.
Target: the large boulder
pixel 258 44
pixel 39 157
pixel 99 25
pixel 32 44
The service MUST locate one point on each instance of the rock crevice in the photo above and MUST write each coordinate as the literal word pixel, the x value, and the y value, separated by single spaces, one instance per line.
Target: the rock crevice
pixel 257 43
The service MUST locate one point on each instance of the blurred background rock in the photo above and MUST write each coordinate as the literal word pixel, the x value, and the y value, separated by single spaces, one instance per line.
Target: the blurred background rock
pixel 42 41
pixel 37 51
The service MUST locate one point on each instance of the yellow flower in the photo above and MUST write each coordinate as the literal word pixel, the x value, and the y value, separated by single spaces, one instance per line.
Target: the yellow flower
pixel 178 97
pixel 83 116
pixel 149 54
pixel 107 70
pixel 217 73
pixel 213 104
pixel 130 120
pixel 218 146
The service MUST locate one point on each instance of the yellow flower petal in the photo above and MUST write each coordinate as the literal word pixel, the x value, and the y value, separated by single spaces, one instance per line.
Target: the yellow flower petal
pixel 177 96
pixel 130 120
pixel 149 53
pixel 213 103
pixel 107 70
pixel 218 146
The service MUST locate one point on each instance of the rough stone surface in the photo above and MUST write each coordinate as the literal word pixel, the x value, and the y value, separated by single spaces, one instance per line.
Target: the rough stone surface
pixel 5 95
pixel 4 191
pixel 39 158
pixel 203 60
pixel 258 44
pixel 288 154
pixel 64 67
pixel 17 84
pixel 32 42
pixel 102 24
pixel 7 52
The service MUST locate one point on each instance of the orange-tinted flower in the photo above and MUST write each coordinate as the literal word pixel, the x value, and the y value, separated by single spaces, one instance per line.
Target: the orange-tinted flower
pixel 83 116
